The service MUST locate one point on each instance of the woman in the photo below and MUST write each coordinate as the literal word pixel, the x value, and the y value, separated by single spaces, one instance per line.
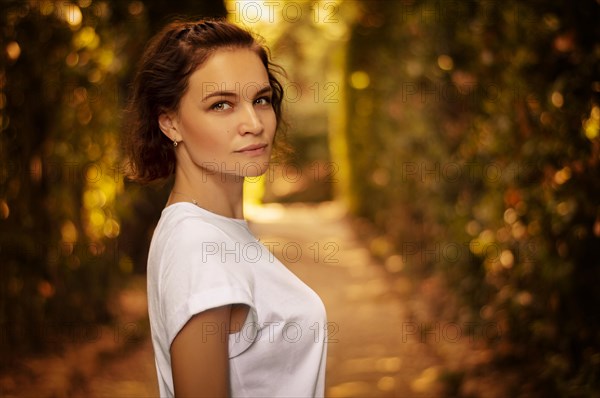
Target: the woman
pixel 227 318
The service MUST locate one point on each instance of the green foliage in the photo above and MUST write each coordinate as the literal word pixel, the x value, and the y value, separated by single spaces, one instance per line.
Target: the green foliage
pixel 59 177
pixel 476 149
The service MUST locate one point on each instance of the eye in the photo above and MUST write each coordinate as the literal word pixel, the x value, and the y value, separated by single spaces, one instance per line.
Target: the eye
pixel 221 106
pixel 263 101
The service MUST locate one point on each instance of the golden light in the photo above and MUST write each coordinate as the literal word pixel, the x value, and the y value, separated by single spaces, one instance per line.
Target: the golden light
pixel 592 125
pixel 473 227
pixel 72 59
pixel 524 298
pixel 70 13
pixel 388 364
pixel 445 62
pixel 68 232
pixel 97 218
pixel 562 176
pixel 426 380
pixel 360 80
pixel 13 50
pixel 381 245
pixel 86 37
pixel 386 383
pixel 394 263
pixel 414 68
pixel 507 259
pixel 4 210
pixel 349 389
pixel 565 208
pixel 106 58
pixel 93 198
pixel 111 228
pixel 510 216
pixel 518 230
pixel 557 99
pixel 478 245
pixel 546 118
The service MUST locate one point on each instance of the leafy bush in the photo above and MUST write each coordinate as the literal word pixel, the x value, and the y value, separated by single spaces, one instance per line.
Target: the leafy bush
pixel 474 134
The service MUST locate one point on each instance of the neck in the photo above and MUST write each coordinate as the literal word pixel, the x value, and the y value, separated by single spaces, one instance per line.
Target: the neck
pixel 219 193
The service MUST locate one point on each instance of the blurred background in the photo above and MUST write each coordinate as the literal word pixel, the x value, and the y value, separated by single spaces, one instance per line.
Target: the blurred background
pixel 460 139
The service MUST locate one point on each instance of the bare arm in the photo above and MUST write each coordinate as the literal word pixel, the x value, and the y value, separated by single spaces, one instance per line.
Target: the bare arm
pixel 199 355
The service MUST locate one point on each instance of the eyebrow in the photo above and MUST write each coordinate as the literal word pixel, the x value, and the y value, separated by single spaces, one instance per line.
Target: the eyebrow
pixel 225 93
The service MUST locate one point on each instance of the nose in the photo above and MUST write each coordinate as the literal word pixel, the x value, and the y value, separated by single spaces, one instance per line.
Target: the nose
pixel 251 122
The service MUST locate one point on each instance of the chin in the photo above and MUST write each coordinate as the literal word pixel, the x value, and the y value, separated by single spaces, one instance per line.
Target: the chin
pixel 255 166
pixel 255 169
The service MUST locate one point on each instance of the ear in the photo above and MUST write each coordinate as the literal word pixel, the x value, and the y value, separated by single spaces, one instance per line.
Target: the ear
pixel 167 124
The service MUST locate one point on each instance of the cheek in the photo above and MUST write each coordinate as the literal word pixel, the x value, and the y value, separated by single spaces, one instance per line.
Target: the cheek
pixel 271 122
pixel 203 134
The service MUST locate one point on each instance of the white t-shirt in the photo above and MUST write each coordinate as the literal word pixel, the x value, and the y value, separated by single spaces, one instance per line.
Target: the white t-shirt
pixel 200 260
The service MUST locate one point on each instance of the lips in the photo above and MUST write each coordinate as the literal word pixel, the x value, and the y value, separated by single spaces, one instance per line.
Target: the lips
pixel 252 148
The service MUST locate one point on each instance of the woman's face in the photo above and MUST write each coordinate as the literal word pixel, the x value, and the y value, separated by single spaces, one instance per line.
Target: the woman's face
pixel 225 121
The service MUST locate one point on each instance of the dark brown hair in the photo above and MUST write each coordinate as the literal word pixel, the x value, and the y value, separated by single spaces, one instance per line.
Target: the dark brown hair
pixel 162 79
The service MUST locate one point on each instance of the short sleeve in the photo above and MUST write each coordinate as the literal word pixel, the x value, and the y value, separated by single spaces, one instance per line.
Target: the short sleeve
pixel 203 270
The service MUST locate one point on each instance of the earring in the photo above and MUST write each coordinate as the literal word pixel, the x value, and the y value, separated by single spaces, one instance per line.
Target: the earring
pixel 175 143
